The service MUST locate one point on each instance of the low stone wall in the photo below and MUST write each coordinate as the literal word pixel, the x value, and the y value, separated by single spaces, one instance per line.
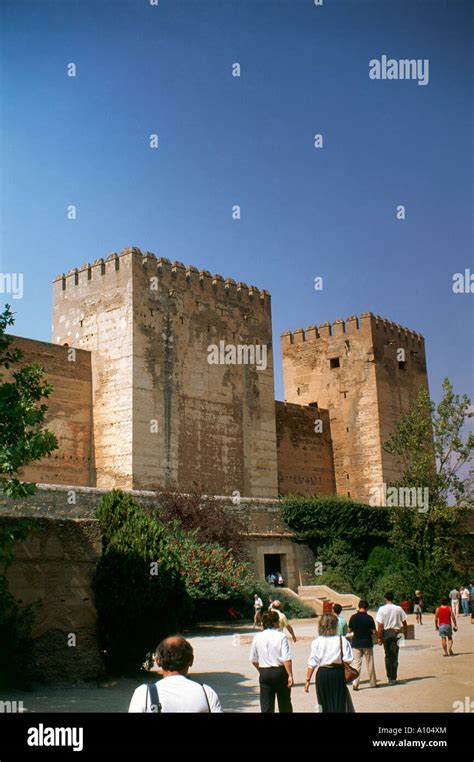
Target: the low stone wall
pixel 323 592
pixel 56 565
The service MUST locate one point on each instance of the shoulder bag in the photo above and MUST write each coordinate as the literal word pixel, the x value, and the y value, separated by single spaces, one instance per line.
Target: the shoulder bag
pixel 350 673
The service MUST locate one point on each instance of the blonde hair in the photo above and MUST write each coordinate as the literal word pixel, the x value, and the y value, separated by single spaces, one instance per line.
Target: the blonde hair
pixel 328 625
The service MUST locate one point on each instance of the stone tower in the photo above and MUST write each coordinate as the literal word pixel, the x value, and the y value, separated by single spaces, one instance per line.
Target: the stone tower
pixel 164 417
pixel 366 371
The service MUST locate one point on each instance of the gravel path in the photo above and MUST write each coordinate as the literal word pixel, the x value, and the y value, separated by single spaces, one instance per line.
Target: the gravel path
pixel 428 681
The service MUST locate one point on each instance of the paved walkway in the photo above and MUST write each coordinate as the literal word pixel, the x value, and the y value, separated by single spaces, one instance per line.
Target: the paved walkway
pixel 428 681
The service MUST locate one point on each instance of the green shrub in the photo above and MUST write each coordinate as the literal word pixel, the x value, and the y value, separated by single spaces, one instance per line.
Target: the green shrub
pixel 319 521
pixel 337 580
pixel 365 581
pixel 291 606
pixel 402 582
pixel 139 593
pixel 381 558
pixel 113 511
pixel 338 556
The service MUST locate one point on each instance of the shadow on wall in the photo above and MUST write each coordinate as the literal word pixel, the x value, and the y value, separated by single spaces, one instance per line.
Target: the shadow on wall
pixel 55 566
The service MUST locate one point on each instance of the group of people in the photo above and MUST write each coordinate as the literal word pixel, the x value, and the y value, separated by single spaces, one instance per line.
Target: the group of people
pixel 275 579
pixel 331 653
pixel 337 653
pixel 463 597
pixel 273 605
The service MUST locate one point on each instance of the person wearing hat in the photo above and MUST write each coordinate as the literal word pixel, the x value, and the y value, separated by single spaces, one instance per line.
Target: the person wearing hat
pixel 418 606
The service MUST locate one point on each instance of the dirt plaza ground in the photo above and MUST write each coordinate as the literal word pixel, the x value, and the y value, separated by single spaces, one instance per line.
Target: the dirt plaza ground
pixel 428 682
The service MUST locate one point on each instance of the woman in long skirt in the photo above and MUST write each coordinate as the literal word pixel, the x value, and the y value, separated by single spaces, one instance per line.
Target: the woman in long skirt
pixel 328 651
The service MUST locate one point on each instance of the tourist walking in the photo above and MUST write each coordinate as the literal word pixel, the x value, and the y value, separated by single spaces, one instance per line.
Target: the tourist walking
pixel 454 597
pixel 471 598
pixel 258 606
pixel 363 627
pixel 341 622
pixel 175 692
pixel 465 595
pixel 391 619
pixel 284 623
pixel 418 606
pixel 328 651
pixel 445 620
pixel 270 654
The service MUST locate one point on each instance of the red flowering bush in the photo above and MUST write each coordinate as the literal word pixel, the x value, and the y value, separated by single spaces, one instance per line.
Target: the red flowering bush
pixel 209 571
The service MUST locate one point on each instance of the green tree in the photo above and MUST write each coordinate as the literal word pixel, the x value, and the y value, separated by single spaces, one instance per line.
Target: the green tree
pixel 430 444
pixel 23 437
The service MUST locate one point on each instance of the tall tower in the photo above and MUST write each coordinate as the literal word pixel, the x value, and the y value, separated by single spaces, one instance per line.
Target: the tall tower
pixel 164 417
pixel 367 372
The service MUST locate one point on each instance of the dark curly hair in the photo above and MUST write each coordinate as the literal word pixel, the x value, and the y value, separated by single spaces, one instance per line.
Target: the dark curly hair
pixel 175 654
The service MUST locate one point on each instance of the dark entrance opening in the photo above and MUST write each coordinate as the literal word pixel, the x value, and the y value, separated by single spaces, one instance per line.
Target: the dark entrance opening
pixel 272 563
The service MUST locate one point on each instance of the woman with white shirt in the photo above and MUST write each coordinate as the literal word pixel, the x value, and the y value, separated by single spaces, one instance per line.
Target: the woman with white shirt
pixel 328 651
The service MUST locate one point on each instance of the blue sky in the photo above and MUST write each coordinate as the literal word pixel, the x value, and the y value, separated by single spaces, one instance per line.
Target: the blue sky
pixel 223 140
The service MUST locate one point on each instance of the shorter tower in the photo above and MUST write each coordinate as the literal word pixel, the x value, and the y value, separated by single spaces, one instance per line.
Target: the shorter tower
pixel 367 372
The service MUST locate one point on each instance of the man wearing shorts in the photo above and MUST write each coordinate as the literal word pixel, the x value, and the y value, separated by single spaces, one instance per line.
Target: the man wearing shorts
pixel 258 606
pixel 445 620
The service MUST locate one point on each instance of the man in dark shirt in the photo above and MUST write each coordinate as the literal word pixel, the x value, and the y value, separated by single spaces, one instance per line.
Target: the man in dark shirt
pixel 363 627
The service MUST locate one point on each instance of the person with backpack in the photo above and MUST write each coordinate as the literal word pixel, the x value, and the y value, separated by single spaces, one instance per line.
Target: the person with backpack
pixel 175 692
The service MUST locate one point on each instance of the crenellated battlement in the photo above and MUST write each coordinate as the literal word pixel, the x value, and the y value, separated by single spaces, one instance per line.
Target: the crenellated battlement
pixel 172 275
pixel 366 324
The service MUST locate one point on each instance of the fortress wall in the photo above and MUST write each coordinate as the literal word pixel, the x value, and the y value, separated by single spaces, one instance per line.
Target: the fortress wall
pixel 69 415
pixel 54 568
pixel 305 457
